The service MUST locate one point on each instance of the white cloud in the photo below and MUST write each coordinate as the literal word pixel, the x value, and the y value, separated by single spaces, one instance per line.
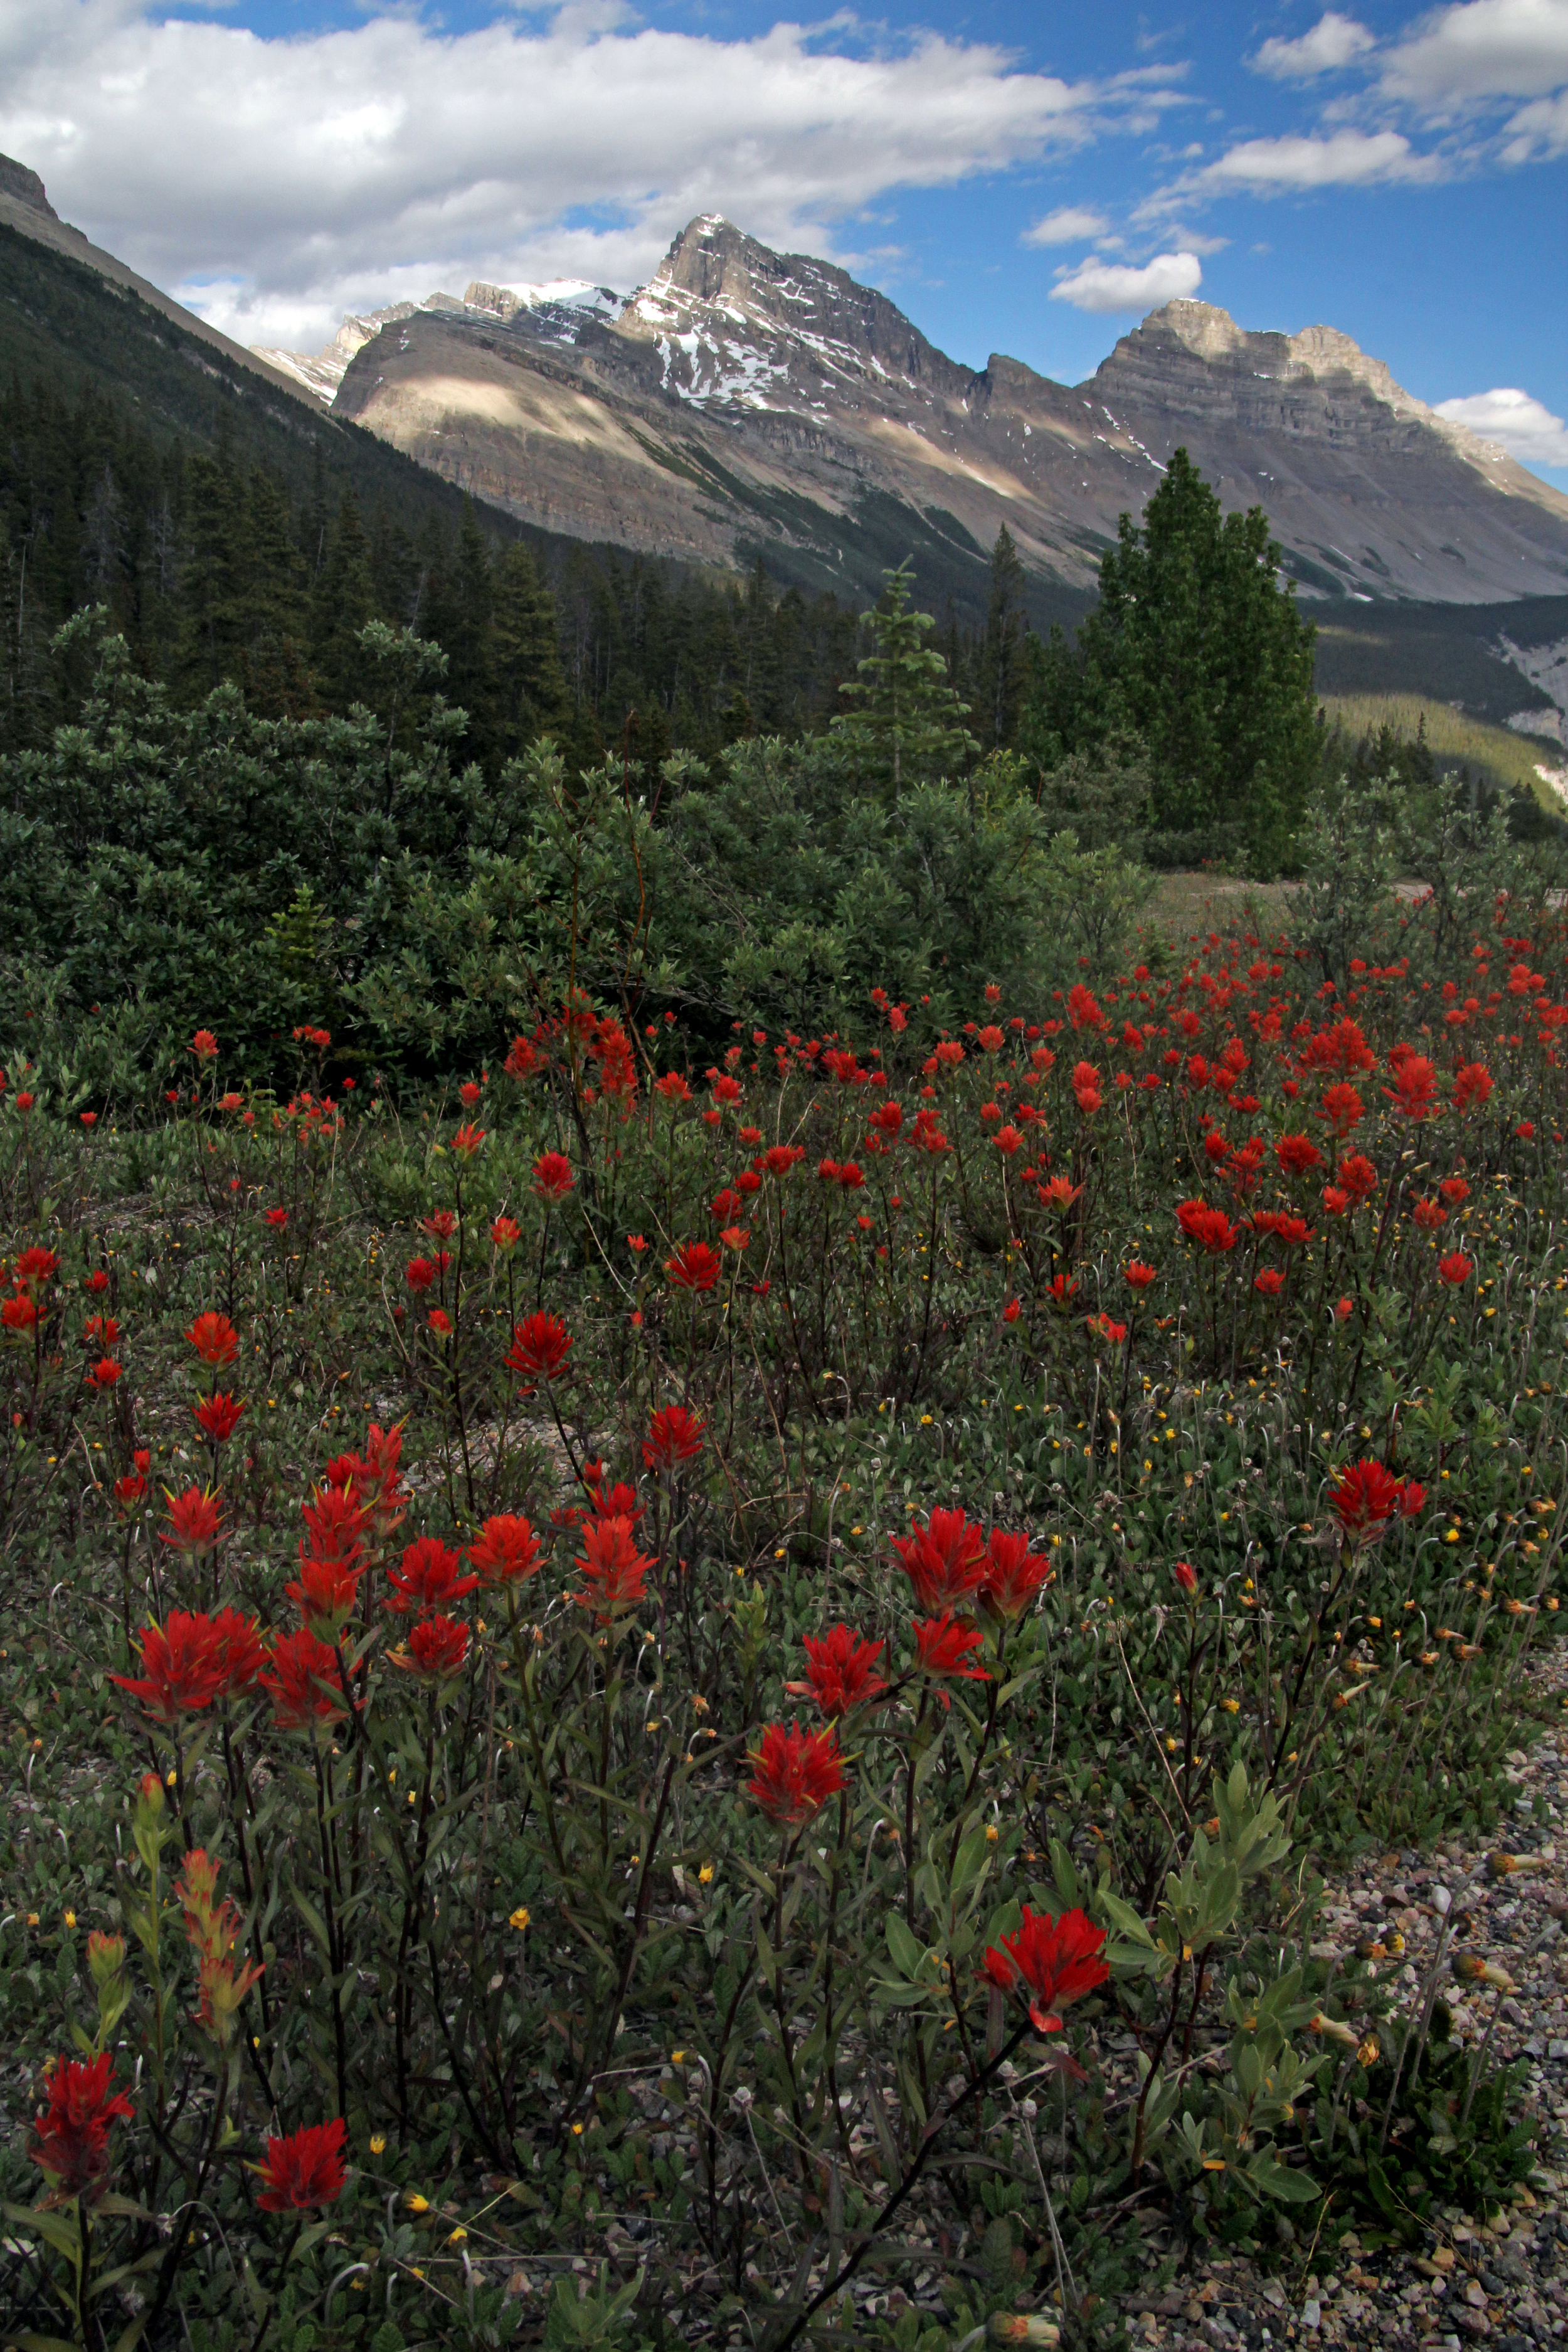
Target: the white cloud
pixel 1103 286
pixel 1480 49
pixel 1344 158
pixel 1066 226
pixel 1334 41
pixel 276 183
pixel 1540 129
pixel 1523 426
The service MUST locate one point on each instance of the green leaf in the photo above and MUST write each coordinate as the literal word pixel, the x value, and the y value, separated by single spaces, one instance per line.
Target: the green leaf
pixel 1122 1916
pixel 909 1955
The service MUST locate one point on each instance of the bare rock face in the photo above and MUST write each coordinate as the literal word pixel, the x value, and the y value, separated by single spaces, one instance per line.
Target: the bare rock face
pixel 744 397
pixel 24 187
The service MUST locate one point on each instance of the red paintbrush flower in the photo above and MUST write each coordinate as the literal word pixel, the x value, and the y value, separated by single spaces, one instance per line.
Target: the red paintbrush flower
pixel 1296 1154
pixel 506 1552
pixel 219 1414
pixel 1140 1277
pixel 130 1490
pixel 437 1649
pixel 194 1519
pixel 71 2137
pixel 213 1338
pixel 431 1577
pixel 1014 1575
pixel 182 1667
pixel 1414 1093
pixel 1472 1085
pixel 1186 1578
pixel 1210 1228
pixel 675 1435
pixel 794 1772
pixel 1366 1498
pixel 553 1176
pixel 694 1266
pixel 1342 1107
pixel 304 2170
pixel 838 1673
pixel 613 1569
pixel 941 1646
pixel 1051 1961
pixel 540 1347
pixel 300 1666
pixel 1456 1268
pixel 945 1561
pixel 325 1593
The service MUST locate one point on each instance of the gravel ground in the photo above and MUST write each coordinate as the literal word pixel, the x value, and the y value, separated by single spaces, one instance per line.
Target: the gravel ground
pixel 1508 2279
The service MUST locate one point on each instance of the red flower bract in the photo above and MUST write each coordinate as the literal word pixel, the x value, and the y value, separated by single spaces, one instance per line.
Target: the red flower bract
pixel 430 1577
pixel 838 1673
pixel 1366 1498
pixel 613 1570
pixel 794 1772
pixel 675 1435
pixel 438 1649
pixel 943 1645
pixel 694 1266
pixel 304 2170
pixel 300 1665
pixel 553 1176
pixel 1456 1268
pixel 1210 1228
pixel 219 1414
pixel 1051 1961
pixel 188 1661
pixel 192 1518
pixel 1013 1574
pixel 507 1551
pixel 71 2137
pixel 213 1338
pixel 945 1561
pixel 1415 1091
pixel 325 1593
pixel 540 1347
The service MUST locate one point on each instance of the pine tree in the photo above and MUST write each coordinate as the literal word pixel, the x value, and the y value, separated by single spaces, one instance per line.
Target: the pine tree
pixel 530 696
pixel 343 601
pixel 999 687
pixel 908 727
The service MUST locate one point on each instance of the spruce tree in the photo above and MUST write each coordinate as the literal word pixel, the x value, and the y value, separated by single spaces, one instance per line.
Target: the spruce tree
pixel 908 727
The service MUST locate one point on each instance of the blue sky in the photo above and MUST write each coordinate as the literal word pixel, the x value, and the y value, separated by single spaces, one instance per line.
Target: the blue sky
pixel 1020 179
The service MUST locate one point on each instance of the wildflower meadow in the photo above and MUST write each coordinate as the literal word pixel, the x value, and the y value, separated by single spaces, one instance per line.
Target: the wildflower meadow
pixel 697 1688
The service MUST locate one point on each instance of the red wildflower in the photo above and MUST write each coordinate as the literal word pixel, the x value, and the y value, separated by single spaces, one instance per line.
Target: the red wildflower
pixel 508 1550
pixel 213 1338
pixel 540 1347
pixel 1415 1091
pixel 239 1651
pixel 1269 1283
pixel 1296 1154
pixel 276 1218
pixel 130 1490
pixel 430 1577
pixel 1342 1107
pixel 419 1274
pixel 1052 1961
pixel 437 1649
pixel 779 1157
pixel 838 1673
pixel 304 2170
pixel 105 1372
pixel 1335 1200
pixel 1139 1275
pixel 694 1266
pixel 1454 1190
pixel 617 1502
pixel 1456 1268
pixel 553 1176
pixel 34 1266
pixel 945 1561
pixel 506 1234
pixel 203 1045
pixel 1014 1575
pixel 71 2137
pixel 468 1140
pixel 675 1435
pixel 1210 1228
pixel 1428 1215
pixel 1007 1140
pixel 440 1224
pixel 613 1569
pixel 219 1414
pixel 794 1772
pixel 182 1667
pixel 325 1592
pixel 193 1518
pixel 1365 1498
pixel 523 1060
pixel 334 1515
pixel 1012 1311
pixel 1185 1577
pixel 300 1665
pixel 1472 1085
pixel 1085 1088
pixel 1359 1178
pixel 1060 1192
pixel 941 1646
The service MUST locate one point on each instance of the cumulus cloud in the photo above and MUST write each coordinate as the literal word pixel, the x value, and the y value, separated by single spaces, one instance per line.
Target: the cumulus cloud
pixel 1103 286
pixel 275 183
pixel 1481 49
pixel 1344 158
pixel 1334 42
pixel 1519 424
pixel 1066 226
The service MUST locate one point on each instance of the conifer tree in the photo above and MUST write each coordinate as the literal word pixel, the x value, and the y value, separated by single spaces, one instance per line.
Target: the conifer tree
pixel 907 726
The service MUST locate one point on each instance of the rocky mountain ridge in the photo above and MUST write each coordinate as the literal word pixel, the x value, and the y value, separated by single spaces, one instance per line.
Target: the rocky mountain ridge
pixel 746 401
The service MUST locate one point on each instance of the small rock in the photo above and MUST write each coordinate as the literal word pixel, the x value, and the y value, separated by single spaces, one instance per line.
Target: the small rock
pixel 1312 2314
pixel 1557 2048
pixel 1476 2295
pixel 1275 2293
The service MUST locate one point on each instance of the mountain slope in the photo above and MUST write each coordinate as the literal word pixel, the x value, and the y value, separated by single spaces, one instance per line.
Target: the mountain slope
pixel 747 401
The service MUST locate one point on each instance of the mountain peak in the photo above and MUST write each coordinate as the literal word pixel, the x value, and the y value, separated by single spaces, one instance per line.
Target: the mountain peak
pixel 24 187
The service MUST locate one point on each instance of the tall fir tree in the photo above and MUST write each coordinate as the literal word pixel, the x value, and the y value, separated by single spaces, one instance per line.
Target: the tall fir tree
pixel 907 725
